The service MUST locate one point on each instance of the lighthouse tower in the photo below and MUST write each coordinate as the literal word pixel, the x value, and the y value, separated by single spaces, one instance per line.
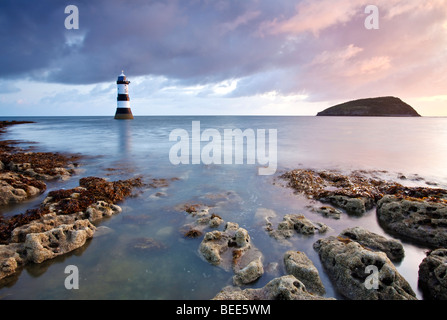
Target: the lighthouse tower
pixel 123 109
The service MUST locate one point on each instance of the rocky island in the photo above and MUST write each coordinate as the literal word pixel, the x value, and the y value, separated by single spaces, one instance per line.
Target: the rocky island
pixel 372 107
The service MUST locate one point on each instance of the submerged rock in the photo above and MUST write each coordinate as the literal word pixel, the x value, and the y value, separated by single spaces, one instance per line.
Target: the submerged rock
pixel 349 265
pixel 283 288
pixel 146 244
pixel 328 212
pixel 433 275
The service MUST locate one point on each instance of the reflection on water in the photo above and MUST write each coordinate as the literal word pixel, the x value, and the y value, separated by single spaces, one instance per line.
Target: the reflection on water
pixel 109 266
pixel 124 138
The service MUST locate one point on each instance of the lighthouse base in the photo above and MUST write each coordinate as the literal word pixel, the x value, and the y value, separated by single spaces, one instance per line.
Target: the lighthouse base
pixel 123 114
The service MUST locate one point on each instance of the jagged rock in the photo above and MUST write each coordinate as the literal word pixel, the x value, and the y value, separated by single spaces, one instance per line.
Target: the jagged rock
pixel 45 223
pixel 60 240
pixel 433 274
pixel 413 218
pixel 300 266
pixel 100 210
pixel 10 259
pixel 253 271
pixel 328 212
pixel 346 263
pixel 393 248
pixel 15 188
pixel 298 223
pixel 282 288
pixel 352 205
pixel 229 249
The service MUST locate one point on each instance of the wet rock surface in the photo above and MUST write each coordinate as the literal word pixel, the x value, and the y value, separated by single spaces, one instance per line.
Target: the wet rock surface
pixel 282 288
pixel 232 249
pixel 421 220
pixel 392 248
pixel 16 188
pixel 295 223
pixel 62 223
pixel 433 275
pixel 302 268
pixel 349 266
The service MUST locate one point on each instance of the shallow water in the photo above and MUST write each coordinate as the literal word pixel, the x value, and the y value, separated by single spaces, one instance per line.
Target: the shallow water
pixel 110 269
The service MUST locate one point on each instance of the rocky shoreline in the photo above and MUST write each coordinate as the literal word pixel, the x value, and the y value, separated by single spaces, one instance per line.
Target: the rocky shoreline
pixel 67 219
pixel 350 258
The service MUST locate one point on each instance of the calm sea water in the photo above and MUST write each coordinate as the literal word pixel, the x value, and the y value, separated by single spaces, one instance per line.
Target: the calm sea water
pixel 110 269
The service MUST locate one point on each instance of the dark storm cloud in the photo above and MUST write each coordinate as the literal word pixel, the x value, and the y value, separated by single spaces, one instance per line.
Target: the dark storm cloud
pixel 193 41
pixel 317 48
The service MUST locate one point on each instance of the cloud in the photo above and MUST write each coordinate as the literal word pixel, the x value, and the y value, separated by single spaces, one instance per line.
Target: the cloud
pixel 316 49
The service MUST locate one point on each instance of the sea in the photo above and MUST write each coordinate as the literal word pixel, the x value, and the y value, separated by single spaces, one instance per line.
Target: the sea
pixel 411 151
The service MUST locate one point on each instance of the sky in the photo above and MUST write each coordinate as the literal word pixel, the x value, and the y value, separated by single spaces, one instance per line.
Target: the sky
pixel 220 57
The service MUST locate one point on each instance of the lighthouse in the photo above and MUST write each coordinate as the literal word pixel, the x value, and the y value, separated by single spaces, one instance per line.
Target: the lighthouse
pixel 123 108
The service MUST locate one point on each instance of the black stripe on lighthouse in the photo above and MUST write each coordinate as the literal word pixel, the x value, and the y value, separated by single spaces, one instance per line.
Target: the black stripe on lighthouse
pixel 123 97
pixel 123 101
pixel 121 111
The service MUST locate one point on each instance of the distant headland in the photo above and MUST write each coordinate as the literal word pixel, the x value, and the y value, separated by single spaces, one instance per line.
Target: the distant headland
pixel 372 107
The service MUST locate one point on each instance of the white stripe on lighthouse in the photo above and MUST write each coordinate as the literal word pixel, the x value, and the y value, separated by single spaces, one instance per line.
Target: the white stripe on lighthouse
pixel 123 89
pixel 123 104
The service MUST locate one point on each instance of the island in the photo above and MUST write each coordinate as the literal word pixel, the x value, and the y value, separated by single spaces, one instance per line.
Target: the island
pixel 372 107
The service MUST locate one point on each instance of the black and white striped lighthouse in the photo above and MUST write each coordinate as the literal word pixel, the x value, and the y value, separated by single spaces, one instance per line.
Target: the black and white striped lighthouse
pixel 123 108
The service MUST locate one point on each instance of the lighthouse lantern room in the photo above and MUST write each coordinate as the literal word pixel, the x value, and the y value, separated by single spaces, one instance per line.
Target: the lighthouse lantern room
pixel 123 108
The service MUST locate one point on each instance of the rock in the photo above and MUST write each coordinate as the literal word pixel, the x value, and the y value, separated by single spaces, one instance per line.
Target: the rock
pixel 60 240
pixel 419 220
pixel 298 223
pixel 346 262
pixel 215 221
pixel 253 271
pixel 213 244
pixel 263 215
pixel 328 212
pixel 300 266
pixel 146 244
pixel 282 288
pixel 355 193
pixel 15 188
pixel 433 275
pixel 393 248
pixel 10 259
pixel 352 205
pixel 372 107
pixel 102 231
pixel 100 210
pixel 272 269
pixel 229 249
pixel 45 223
